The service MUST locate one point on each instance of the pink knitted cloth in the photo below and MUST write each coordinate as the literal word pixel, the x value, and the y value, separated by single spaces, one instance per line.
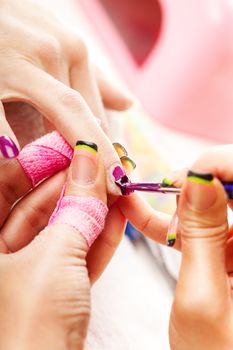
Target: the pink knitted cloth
pixel 86 214
pixel 45 157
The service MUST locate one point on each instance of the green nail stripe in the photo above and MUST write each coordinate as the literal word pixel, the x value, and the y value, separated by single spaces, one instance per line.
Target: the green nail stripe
pixel 167 182
pixel 199 180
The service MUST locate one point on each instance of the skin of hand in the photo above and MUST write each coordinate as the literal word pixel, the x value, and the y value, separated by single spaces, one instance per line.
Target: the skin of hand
pixel 30 209
pixel 46 65
pixel 201 315
pixel 45 297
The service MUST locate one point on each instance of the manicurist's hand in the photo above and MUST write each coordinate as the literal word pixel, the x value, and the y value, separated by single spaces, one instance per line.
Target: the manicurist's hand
pixel 45 289
pixel 46 65
pixel 202 315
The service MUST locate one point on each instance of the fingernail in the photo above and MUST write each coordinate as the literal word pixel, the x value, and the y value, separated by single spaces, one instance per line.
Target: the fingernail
pixel 167 182
pixel 121 151
pixel 8 148
pixel 118 177
pixel 200 190
pixel 84 163
pixel 172 231
pixel 128 164
pixel 117 172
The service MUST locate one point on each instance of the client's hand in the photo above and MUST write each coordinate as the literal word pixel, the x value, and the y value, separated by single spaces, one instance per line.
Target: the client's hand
pixel 45 289
pixel 46 65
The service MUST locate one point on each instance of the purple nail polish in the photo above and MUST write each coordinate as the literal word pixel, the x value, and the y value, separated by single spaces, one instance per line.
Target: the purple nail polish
pixel 8 148
pixel 118 172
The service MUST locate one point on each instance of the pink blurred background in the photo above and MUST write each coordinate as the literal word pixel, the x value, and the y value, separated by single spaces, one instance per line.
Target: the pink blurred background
pixel 175 56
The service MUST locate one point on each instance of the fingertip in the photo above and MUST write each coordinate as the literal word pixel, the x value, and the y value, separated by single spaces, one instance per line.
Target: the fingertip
pixel 113 97
pixel 122 102
pixel 86 174
pixel 175 178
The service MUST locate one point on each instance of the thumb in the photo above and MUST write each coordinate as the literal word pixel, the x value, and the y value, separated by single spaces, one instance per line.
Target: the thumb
pixel 203 227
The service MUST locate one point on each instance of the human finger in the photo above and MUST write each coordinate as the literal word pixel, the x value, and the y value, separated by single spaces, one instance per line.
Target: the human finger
pixel 113 97
pixel 31 214
pixel 105 245
pixel 149 222
pixel 203 229
pixel 9 147
pixel 217 160
pixel 70 114
pixel 176 178
pixel 82 79
pixel 37 160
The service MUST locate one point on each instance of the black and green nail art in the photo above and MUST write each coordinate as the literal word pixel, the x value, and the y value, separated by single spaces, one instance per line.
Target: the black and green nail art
pixel 205 178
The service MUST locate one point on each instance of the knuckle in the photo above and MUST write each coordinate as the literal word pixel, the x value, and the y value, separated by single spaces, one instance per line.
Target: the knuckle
pixel 50 49
pixel 193 225
pixel 78 49
pixel 71 98
pixel 80 322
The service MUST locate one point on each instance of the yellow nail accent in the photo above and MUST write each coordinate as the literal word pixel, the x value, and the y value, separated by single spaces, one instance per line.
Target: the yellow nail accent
pixel 128 164
pixel 167 182
pixel 200 180
pixel 121 151
pixel 85 147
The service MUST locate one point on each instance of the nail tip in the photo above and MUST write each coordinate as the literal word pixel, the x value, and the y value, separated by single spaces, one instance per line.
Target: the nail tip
pixel 171 242
pixel 166 182
pixel 117 145
pixel 203 176
pixel 127 159
pixel 88 144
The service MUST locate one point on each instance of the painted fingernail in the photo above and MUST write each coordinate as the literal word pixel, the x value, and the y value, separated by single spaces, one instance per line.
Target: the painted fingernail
pixel 121 151
pixel 167 182
pixel 200 190
pixel 8 148
pixel 128 164
pixel 172 231
pixel 84 163
pixel 176 178
pixel 118 172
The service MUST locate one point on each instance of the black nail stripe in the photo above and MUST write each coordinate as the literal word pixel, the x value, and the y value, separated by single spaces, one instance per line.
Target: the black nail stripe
pixel 86 143
pixel 171 242
pixel 204 176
